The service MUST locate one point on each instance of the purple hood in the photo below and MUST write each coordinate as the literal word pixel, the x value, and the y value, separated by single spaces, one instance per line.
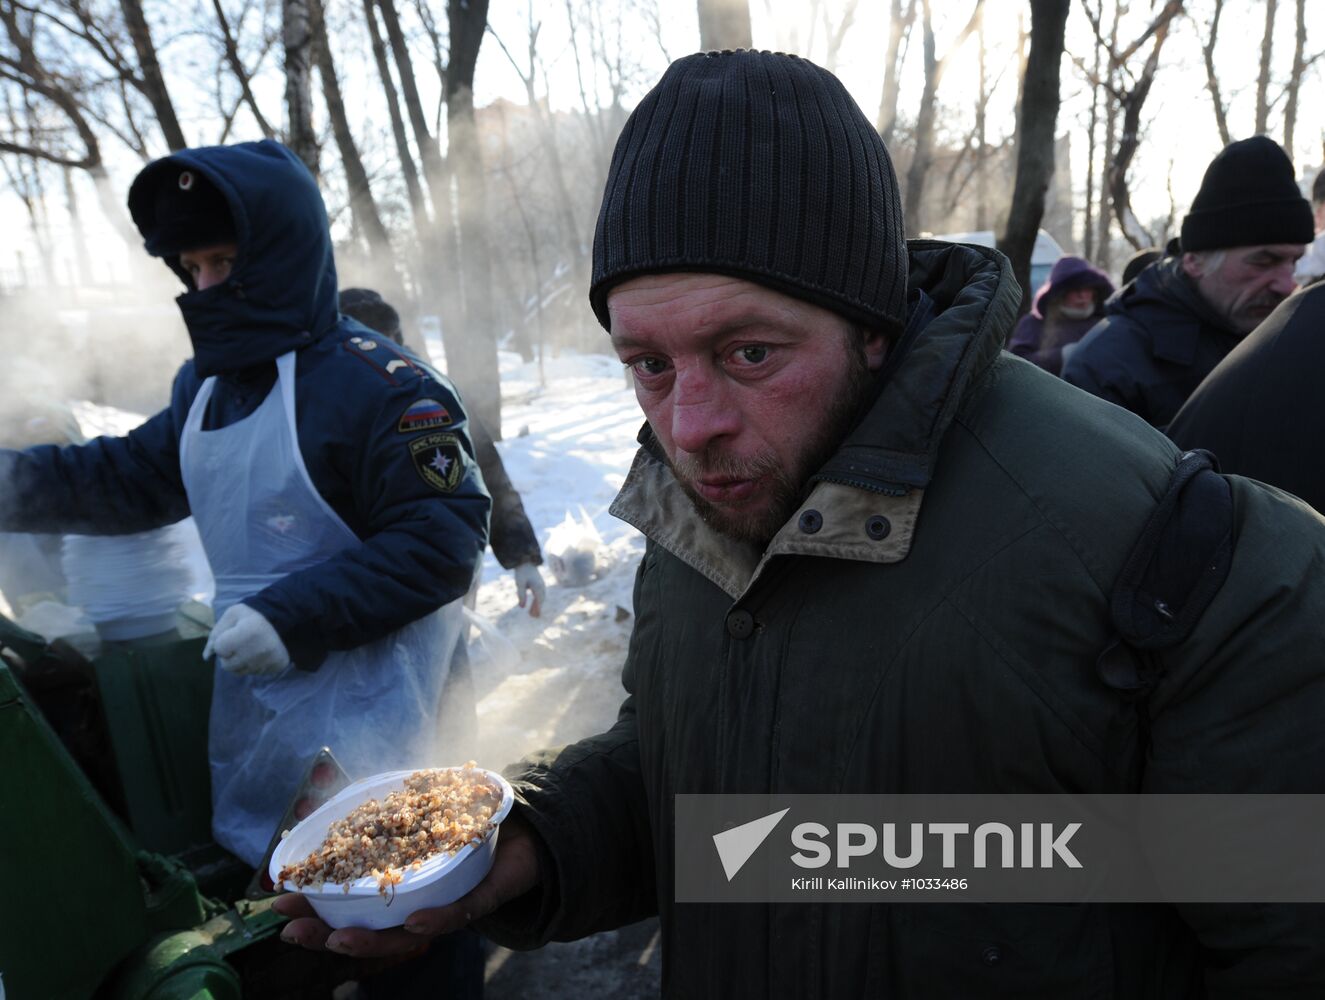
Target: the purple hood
pixel 1071 272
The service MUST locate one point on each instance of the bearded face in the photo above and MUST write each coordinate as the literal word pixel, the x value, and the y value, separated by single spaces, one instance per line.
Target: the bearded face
pixel 748 391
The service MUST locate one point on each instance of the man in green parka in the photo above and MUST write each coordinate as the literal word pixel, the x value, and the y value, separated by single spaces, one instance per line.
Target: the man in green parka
pixel 880 558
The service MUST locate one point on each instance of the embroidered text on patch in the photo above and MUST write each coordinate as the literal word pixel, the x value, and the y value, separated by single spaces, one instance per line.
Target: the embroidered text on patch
pixel 438 459
pixel 423 415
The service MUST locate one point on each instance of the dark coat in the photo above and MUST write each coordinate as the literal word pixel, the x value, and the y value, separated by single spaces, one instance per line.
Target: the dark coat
pixel 419 546
pixel 954 654
pixel 1157 340
pixel 1040 336
pixel 1260 411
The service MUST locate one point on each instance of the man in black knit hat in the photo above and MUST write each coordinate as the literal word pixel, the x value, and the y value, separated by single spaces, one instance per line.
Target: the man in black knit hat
pixel 879 560
pixel 1165 332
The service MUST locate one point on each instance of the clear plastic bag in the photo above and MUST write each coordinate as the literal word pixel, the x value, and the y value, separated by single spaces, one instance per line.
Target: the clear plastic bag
pixel 574 550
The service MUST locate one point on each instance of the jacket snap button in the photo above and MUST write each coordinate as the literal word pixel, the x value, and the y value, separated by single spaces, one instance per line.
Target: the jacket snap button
pixel 740 624
pixel 878 527
pixel 992 955
pixel 811 521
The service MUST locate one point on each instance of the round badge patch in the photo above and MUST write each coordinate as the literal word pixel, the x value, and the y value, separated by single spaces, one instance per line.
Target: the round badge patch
pixel 185 180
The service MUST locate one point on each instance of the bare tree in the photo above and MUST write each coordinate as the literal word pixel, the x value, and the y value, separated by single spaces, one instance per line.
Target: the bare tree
pixel 1295 77
pixel 922 157
pixel 899 36
pixel 474 361
pixel 297 36
pixel 24 175
pixel 1128 92
pixel 724 24
pixel 230 51
pixel 1263 78
pixel 836 35
pixel 434 172
pixel 1129 140
pixel 132 62
pixel 1088 228
pixel 1035 151
pixel 149 80
pixel 1211 77
pixel 527 71
pixel 362 206
pixel 23 68
pixel 408 170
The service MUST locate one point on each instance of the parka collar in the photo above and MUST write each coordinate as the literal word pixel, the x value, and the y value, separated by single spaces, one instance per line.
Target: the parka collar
pixel 281 294
pixel 865 502
pixel 1166 302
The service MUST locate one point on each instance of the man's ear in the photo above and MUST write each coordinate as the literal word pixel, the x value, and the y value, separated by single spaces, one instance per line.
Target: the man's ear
pixel 875 346
pixel 1192 266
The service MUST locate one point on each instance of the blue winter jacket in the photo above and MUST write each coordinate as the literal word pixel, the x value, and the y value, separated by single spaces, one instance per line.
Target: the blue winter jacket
pixel 1157 340
pixel 360 403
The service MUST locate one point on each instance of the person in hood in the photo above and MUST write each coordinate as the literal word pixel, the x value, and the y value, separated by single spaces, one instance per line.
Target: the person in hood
pixel 1067 305
pixel 330 474
pixel 879 559
pixel 1164 332
pixel 514 541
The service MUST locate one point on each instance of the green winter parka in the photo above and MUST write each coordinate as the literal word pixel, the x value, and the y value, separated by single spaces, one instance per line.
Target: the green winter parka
pixel 939 633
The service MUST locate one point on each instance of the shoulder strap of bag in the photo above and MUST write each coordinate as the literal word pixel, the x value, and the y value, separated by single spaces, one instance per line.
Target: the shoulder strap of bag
pixel 1178 563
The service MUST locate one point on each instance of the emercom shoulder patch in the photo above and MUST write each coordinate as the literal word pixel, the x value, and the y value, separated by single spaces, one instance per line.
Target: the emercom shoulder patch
pixel 439 460
pixel 423 415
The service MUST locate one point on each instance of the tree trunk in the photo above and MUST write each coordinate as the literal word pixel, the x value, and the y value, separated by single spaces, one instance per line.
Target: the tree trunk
pixel 433 171
pixel 297 36
pixel 1295 78
pixel 362 205
pixel 81 257
pixel 922 157
pixel 1212 78
pixel 1035 152
pixel 724 24
pixel 981 114
pixel 237 68
pixel 153 85
pixel 418 207
pixel 1128 143
pixel 922 142
pixel 1104 251
pixel 472 357
pixel 1263 78
pixel 898 32
pixel 1088 230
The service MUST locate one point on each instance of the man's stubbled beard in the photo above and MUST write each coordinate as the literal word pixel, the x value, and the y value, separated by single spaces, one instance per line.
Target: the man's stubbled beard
pixel 782 489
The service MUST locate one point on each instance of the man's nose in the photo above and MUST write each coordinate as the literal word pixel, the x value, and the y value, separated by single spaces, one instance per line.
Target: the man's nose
pixel 207 277
pixel 702 411
pixel 1283 284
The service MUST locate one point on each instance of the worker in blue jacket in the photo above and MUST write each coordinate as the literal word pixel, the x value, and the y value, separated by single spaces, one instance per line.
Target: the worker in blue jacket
pixel 330 475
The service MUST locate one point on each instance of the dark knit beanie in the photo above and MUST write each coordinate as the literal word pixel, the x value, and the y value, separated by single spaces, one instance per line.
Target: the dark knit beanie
pixel 187 211
pixel 373 311
pixel 757 165
pixel 1249 196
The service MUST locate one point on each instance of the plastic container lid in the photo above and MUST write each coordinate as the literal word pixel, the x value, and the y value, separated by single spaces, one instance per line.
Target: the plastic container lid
pixel 441 879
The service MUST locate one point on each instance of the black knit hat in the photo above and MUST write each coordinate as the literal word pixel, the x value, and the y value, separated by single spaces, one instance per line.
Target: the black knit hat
pixel 761 166
pixel 1249 196
pixel 187 210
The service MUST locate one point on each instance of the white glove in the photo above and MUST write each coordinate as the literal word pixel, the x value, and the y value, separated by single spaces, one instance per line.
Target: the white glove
pixel 528 578
pixel 245 643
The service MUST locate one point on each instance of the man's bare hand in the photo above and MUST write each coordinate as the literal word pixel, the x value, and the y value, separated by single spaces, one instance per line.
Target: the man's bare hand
pixel 514 872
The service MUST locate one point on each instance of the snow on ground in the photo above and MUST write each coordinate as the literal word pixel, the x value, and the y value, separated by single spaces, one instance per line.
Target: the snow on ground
pixel 567 445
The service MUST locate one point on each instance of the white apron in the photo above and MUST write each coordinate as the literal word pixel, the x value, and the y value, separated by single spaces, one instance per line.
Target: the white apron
pixel 376 706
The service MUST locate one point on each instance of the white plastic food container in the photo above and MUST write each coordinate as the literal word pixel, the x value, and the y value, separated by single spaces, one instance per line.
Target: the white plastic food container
pixel 439 880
